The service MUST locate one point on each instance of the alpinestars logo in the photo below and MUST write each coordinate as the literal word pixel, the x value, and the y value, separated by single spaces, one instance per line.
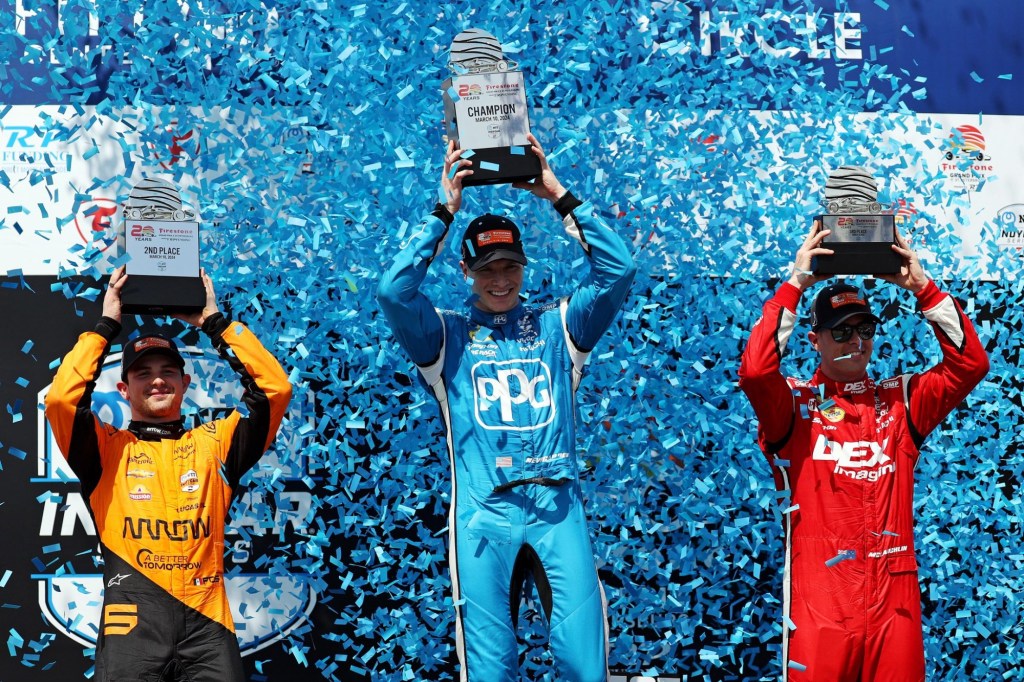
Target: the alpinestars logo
pixel 117 579
pixel 861 460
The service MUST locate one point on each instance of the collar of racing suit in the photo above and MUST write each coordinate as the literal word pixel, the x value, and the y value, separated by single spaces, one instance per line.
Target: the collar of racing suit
pixel 160 431
pixel 496 320
pixel 828 388
pixel 833 387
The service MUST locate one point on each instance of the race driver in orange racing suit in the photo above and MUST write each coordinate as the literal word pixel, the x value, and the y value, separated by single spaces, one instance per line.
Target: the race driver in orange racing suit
pixel 160 494
pixel 845 446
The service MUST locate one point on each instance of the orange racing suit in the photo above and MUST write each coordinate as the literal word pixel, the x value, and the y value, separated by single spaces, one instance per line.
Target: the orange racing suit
pixel 160 496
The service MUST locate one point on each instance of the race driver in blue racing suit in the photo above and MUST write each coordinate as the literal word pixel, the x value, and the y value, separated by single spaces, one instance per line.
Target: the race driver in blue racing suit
pixel 505 375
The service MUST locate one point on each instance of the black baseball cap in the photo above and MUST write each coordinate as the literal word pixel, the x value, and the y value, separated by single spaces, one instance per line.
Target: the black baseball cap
pixel 147 345
pixel 489 238
pixel 837 303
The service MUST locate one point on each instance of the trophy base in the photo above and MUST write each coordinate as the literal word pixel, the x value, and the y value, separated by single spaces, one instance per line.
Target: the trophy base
pixel 152 295
pixel 862 244
pixel 510 167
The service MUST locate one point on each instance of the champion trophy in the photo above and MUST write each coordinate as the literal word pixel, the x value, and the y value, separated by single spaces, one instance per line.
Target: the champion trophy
pixel 161 239
pixel 863 230
pixel 485 111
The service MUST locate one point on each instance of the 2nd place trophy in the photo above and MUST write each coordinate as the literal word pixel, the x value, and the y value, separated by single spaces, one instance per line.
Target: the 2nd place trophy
pixel 485 111
pixel 161 239
pixel 862 229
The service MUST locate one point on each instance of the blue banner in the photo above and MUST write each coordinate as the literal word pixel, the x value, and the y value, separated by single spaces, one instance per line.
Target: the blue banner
pixel 949 56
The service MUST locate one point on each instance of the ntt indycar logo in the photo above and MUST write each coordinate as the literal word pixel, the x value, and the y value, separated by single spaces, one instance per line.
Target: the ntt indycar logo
pixel 1010 221
pixel 71 601
pixel 513 395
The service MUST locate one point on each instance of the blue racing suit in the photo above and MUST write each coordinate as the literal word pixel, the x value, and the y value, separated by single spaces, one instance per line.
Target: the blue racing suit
pixel 505 384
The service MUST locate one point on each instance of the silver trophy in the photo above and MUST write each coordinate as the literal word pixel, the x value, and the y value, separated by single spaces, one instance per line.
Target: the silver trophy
pixel 863 229
pixel 485 110
pixel 160 236
pixel 156 199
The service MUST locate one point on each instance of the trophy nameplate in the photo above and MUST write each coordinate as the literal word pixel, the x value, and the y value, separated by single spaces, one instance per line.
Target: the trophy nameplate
pixel 862 229
pixel 161 239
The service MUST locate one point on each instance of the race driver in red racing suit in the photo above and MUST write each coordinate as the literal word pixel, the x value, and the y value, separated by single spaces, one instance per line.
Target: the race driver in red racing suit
pixel 160 493
pixel 845 446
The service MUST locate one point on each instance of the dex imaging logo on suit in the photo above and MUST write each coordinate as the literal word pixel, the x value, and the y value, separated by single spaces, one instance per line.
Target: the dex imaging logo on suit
pixel 513 395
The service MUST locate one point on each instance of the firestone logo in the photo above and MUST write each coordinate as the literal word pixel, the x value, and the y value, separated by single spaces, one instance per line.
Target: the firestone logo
pixel 94 223
pixel 188 145
pixel 495 237
pixel 966 162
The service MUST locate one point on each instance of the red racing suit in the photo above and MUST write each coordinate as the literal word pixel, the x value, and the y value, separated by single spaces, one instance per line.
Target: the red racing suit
pixel 160 495
pixel 846 453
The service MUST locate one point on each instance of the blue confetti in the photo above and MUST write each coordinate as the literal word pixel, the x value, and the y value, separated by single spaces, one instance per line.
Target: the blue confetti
pixel 312 171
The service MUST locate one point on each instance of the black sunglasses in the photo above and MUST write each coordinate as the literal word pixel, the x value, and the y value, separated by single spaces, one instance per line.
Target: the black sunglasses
pixel 842 333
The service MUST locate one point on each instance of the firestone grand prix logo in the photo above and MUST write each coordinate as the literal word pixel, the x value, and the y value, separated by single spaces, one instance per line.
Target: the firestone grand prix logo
pixel 71 602
pixel 966 162
pixel 967 141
